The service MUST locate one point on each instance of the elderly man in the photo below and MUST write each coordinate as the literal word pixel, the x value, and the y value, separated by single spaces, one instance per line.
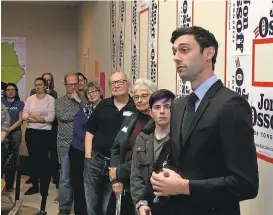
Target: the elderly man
pixel 102 128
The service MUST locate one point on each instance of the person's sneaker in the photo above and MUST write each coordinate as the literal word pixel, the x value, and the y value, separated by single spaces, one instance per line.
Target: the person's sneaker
pixel 32 190
pixel 41 213
pixel 28 181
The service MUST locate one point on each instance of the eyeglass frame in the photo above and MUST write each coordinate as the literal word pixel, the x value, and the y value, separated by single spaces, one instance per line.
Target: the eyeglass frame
pixel 118 82
pixel 142 96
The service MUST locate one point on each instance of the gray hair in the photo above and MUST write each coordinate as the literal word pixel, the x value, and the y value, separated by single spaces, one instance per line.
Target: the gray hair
pixel 144 84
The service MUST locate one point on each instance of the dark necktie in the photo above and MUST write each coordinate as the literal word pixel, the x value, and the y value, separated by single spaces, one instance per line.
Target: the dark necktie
pixel 189 114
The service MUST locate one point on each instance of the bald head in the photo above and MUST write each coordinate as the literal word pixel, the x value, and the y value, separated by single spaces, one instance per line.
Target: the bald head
pixel 118 75
pixel 119 84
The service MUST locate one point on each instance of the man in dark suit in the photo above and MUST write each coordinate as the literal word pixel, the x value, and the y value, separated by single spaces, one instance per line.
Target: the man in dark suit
pixel 212 139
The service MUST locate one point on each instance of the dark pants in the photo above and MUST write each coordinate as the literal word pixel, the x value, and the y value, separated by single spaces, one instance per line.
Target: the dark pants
pixel 97 186
pixel 55 166
pixel 38 145
pixel 15 138
pixel 76 158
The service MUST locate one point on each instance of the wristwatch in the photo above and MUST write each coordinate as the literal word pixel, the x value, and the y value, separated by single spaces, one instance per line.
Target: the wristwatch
pixel 141 203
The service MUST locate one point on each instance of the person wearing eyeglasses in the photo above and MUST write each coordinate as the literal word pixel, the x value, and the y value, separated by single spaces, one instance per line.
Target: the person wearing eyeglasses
pixel 121 152
pixel 101 130
pixel 150 152
pixel 66 109
pixel 15 108
pixel 94 94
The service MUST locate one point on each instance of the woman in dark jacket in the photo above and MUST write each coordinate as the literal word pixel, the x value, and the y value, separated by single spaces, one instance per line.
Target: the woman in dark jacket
pixel 94 94
pixel 121 153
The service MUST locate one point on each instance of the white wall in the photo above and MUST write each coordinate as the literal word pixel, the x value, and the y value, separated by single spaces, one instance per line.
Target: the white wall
pixel 50 32
pixel 94 39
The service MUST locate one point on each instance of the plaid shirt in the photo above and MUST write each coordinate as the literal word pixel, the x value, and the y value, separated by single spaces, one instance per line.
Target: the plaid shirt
pixel 66 109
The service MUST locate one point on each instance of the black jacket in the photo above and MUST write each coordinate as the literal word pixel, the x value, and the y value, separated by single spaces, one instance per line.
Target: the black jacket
pixel 118 150
pixel 143 163
pixel 217 156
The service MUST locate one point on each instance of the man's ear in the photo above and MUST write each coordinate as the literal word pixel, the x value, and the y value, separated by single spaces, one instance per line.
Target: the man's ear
pixel 150 113
pixel 209 52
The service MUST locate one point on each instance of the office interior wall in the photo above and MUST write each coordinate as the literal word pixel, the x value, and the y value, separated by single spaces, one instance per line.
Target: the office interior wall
pixel 51 38
pixel 93 35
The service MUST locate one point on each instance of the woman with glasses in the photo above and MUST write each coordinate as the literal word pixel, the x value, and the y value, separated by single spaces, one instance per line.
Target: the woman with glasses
pixel 121 153
pixel 39 113
pixel 94 94
pixel 15 108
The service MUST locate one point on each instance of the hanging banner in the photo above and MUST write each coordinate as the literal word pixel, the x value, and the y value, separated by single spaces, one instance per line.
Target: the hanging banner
pixel 135 44
pixel 248 64
pixel 238 48
pixel 184 19
pixel 152 44
pixel 262 80
pixel 113 37
pixel 121 31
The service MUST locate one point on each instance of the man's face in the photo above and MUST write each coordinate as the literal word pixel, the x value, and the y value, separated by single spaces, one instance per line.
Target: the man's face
pixel 188 58
pixel 161 112
pixel 119 86
pixel 72 84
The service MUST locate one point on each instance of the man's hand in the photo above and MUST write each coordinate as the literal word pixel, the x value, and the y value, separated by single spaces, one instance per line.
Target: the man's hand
pixel 75 96
pixel 117 189
pixel 112 173
pixel 169 183
pixel 144 210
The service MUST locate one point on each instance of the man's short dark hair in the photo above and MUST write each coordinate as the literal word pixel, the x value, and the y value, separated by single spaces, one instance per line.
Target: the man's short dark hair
pixel 203 37
pixel 159 95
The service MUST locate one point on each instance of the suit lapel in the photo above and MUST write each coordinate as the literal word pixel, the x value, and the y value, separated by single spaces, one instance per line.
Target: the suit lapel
pixel 202 107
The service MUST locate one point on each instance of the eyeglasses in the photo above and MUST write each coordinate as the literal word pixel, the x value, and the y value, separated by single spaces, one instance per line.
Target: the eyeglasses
pixel 142 97
pixel 92 92
pixel 119 83
pixel 10 90
pixel 165 107
pixel 72 84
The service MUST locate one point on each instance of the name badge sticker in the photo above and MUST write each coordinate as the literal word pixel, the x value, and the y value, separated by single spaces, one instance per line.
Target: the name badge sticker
pixel 124 129
pixel 127 113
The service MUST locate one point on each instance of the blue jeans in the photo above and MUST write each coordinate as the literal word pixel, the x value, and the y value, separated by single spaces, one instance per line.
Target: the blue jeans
pixel 65 187
pixel 97 186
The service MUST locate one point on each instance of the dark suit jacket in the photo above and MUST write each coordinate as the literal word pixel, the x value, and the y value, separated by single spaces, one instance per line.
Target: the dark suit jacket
pixel 119 149
pixel 218 155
